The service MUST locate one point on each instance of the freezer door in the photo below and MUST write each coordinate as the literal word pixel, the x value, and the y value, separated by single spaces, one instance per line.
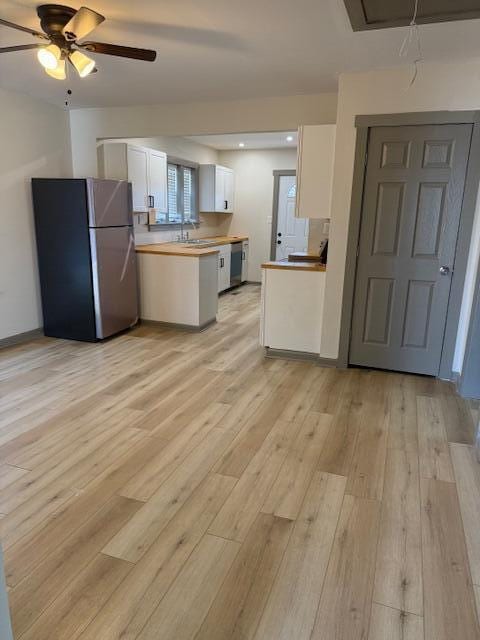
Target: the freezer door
pixel 114 269
pixel 109 203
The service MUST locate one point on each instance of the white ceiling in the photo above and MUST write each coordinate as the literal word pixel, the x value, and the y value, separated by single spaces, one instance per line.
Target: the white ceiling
pixel 221 50
pixel 232 141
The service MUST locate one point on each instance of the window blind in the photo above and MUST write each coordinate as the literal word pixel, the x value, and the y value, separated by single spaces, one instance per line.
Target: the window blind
pixel 181 185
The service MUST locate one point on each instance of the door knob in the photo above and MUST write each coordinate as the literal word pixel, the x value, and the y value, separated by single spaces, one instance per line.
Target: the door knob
pixel 444 271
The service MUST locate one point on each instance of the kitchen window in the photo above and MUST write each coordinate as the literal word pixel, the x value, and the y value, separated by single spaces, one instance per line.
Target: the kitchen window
pixel 182 189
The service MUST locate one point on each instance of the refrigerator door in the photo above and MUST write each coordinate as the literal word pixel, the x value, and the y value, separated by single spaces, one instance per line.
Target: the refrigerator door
pixel 114 269
pixel 109 203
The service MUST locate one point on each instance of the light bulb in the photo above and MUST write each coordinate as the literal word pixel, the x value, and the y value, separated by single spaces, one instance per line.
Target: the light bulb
pixel 49 56
pixel 82 63
pixel 59 72
pixel 241 144
pixel 289 138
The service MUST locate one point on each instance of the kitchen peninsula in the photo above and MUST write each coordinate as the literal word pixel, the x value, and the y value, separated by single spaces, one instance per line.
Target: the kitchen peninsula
pixel 292 307
pixel 179 281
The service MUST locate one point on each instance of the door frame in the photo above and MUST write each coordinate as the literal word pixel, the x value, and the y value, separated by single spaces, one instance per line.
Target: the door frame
pixel 276 191
pixel 363 124
pixel 469 381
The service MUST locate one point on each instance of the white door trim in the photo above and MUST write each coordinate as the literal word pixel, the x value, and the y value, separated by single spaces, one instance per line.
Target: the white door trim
pixel 276 191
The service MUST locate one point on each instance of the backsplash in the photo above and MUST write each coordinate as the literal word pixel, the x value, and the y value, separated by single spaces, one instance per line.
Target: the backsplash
pixel 318 230
pixel 211 224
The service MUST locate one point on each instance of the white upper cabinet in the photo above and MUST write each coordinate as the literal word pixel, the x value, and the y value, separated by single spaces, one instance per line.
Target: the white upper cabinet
pixel 145 168
pixel 217 185
pixel 229 189
pixel 219 190
pixel 157 179
pixel 315 158
pixel 137 174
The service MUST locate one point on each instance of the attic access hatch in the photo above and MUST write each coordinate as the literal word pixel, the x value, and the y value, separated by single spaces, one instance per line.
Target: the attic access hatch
pixel 382 14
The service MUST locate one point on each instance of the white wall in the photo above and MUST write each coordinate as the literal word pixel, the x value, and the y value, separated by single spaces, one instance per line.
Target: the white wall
pixel 175 146
pixel 254 198
pixel 268 114
pixel 35 143
pixel 438 87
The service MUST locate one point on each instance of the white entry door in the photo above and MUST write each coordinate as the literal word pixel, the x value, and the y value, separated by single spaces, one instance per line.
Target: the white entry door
pixel 292 232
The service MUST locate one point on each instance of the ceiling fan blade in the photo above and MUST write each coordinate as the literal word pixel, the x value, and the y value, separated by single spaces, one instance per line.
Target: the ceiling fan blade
pixel 20 47
pixel 116 50
pixel 32 32
pixel 82 23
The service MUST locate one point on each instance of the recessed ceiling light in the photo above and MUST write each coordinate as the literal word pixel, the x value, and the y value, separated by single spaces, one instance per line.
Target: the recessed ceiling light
pixel 289 138
pixel 241 144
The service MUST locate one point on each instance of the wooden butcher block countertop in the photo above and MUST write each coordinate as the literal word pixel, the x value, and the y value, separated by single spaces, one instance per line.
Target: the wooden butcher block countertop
pixel 190 250
pixel 294 266
pixel 226 239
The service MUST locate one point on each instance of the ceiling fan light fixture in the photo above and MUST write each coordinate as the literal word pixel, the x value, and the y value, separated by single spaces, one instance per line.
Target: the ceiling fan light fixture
pixel 49 57
pixel 59 73
pixel 82 63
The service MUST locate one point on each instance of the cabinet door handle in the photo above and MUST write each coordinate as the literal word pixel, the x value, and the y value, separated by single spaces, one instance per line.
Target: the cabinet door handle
pixel 222 262
pixel 279 242
pixel 279 234
pixel 243 255
pixel 153 201
pixel 150 202
pixel 226 204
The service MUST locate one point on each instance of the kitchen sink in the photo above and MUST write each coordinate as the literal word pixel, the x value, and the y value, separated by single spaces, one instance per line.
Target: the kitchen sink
pixel 195 241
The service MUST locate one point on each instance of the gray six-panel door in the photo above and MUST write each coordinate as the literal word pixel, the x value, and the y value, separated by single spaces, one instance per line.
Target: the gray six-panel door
pixel 412 201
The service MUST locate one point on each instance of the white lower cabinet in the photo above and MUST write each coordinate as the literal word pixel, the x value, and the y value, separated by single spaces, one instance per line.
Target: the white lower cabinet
pixel 244 260
pixel 224 259
pixel 292 309
pixel 180 290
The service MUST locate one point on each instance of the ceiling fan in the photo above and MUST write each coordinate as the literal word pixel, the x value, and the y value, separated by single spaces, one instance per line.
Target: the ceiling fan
pixel 62 28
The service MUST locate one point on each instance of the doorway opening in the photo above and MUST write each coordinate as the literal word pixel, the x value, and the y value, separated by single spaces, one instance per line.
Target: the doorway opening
pixel 289 233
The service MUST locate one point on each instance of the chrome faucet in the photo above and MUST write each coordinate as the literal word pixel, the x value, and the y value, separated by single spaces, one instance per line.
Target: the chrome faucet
pixel 184 235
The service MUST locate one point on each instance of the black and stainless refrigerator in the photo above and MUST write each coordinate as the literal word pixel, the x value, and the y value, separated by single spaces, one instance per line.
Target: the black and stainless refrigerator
pixel 86 257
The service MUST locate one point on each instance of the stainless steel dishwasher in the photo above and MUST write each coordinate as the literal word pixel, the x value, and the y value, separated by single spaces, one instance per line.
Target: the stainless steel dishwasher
pixel 236 265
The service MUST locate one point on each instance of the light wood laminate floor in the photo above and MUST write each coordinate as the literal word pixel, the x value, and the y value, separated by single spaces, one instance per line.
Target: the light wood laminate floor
pixel 167 485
